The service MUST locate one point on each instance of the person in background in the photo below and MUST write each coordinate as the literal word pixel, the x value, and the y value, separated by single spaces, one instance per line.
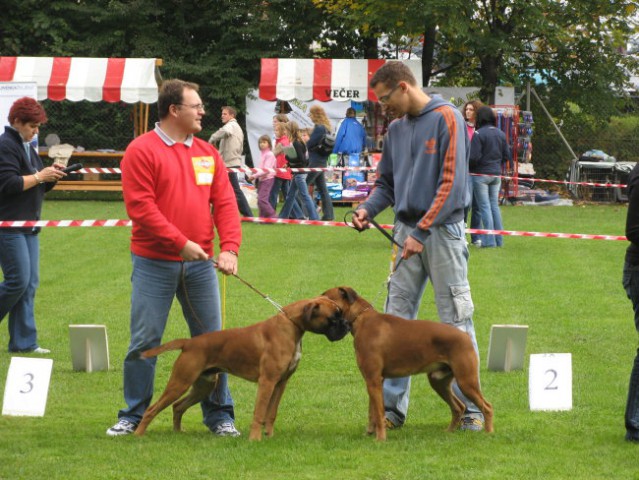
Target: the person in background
pixel 631 286
pixel 318 160
pixel 489 150
pixel 282 181
pixel 469 111
pixel 351 136
pixel 178 194
pixel 428 188
pixel 265 179
pixel 231 142
pixel 298 184
pixel 23 183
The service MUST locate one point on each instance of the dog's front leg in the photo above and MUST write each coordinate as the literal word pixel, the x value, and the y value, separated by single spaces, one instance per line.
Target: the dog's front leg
pixel 265 388
pixel 271 411
pixel 376 406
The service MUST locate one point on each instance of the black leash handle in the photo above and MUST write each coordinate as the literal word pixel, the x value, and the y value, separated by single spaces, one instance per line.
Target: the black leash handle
pixel 384 232
pixel 375 224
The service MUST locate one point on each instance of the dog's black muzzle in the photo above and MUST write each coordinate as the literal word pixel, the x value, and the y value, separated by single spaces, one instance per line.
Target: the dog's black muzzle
pixel 337 328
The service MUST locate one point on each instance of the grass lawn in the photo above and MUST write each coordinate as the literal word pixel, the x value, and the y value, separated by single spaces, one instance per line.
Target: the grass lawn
pixel 568 292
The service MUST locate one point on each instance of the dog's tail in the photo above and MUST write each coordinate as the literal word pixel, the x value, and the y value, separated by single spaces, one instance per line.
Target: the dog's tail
pixel 172 345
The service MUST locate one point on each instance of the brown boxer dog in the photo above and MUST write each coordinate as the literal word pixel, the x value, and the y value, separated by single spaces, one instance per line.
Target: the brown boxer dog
pixel 387 346
pixel 267 352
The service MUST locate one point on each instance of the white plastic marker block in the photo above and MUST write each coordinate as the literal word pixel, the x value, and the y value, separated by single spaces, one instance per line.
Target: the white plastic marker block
pixel 89 347
pixel 507 347
pixel 27 386
pixel 550 381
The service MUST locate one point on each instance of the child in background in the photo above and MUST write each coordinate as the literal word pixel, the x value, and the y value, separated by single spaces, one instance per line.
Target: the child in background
pixel 266 179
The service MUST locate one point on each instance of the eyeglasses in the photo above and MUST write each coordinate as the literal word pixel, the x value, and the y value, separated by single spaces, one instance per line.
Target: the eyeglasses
pixel 385 98
pixel 198 106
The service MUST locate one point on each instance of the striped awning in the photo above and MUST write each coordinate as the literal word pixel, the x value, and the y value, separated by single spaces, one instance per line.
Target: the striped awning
pixel 322 79
pixel 127 80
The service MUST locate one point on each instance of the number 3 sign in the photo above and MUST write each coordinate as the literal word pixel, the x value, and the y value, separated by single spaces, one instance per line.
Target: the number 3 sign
pixel 27 386
pixel 550 381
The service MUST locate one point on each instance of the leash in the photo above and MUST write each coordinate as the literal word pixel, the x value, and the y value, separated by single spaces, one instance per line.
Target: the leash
pixel 265 297
pixel 395 248
pixel 383 232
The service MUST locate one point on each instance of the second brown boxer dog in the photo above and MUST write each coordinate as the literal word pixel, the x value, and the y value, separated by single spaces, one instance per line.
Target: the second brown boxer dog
pixel 267 352
pixel 387 346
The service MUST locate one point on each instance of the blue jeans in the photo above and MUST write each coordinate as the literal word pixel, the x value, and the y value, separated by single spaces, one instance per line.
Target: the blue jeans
pixel 298 185
pixel 155 283
pixel 318 179
pixel 282 185
pixel 631 285
pixel 486 191
pixel 445 261
pixel 20 260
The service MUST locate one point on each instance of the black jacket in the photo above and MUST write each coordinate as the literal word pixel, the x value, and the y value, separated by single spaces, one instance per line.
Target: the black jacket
pixel 16 203
pixel 488 150
pixel 632 218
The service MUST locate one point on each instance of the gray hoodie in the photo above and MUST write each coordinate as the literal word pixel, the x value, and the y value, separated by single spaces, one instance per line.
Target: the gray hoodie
pixel 424 169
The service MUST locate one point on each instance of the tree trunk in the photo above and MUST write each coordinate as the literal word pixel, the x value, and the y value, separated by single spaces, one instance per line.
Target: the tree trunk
pixel 489 71
pixel 369 45
pixel 428 52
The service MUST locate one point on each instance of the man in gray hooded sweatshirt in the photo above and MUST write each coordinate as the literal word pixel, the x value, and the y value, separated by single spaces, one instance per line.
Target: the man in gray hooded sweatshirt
pixel 423 173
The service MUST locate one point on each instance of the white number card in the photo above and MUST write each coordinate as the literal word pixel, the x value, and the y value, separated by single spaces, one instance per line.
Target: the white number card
pixel 27 386
pixel 550 381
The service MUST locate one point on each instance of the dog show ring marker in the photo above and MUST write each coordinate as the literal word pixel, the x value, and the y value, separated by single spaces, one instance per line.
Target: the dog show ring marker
pixel 27 386
pixel 89 347
pixel 550 381
pixel 507 347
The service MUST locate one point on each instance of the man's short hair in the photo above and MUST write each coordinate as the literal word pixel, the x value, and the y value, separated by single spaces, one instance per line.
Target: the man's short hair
pixel 391 73
pixel 231 111
pixel 172 93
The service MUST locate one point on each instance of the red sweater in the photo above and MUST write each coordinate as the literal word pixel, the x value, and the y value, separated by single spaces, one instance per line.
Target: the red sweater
pixel 169 192
pixel 281 159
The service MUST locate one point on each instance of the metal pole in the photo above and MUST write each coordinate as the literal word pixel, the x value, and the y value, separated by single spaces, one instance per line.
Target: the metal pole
pixel 561 135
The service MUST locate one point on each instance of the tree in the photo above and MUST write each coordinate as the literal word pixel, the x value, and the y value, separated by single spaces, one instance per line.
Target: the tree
pixel 575 47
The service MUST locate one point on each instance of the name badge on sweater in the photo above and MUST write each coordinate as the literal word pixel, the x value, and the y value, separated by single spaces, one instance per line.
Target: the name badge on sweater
pixel 204 168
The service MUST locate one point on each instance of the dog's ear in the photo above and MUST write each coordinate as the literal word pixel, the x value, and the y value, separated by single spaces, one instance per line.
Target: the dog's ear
pixel 348 294
pixel 309 310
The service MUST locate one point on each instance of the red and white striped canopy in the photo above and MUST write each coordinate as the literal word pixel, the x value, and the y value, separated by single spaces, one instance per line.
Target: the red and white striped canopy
pixel 322 79
pixel 127 80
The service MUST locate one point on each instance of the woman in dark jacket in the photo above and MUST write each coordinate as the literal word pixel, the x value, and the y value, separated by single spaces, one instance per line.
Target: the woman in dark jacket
pixel 23 183
pixel 488 151
pixel 319 160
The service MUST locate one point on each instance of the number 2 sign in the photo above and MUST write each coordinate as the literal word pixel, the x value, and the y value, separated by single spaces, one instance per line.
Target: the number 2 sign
pixel 550 381
pixel 27 386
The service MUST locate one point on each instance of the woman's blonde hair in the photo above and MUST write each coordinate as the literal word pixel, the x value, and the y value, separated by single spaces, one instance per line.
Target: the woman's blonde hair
pixel 318 117
pixel 293 130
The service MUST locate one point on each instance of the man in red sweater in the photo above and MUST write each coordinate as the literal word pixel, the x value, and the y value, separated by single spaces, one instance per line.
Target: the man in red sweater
pixel 177 193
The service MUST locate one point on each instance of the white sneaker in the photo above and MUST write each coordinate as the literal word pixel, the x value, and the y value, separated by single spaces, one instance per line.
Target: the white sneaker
pixel 123 427
pixel 40 350
pixel 226 430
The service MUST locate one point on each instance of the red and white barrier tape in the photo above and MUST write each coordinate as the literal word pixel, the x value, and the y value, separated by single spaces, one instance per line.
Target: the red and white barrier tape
pixel 368 169
pixel 563 182
pixel 128 223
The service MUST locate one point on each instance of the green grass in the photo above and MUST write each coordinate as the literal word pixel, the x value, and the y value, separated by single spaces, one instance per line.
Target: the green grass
pixel 568 292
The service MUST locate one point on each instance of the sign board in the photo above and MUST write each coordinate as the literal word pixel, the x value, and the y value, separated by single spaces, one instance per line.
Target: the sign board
pixel 27 386
pixel 10 92
pixel 550 381
pixel 89 347
pixel 507 347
